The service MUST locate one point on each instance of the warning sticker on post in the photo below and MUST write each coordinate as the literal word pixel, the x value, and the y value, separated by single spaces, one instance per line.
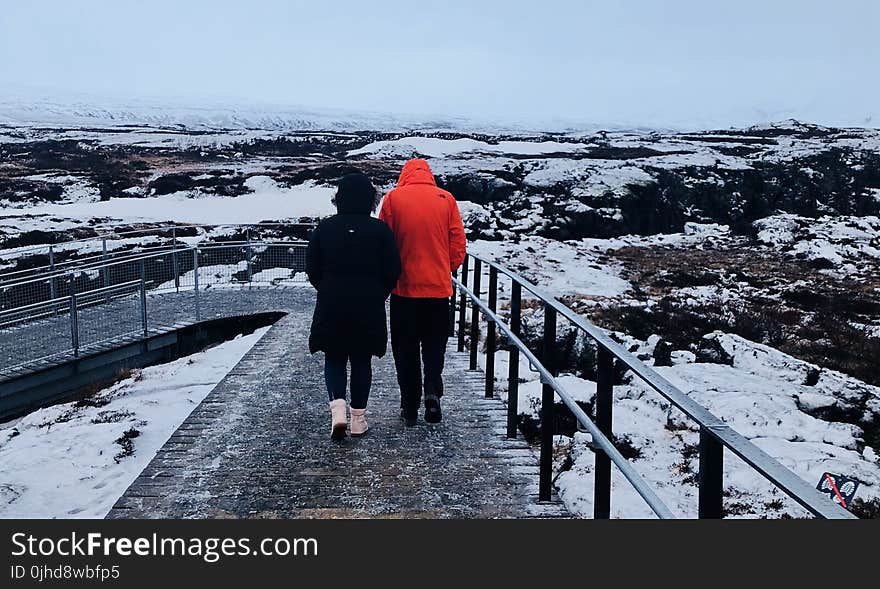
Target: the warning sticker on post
pixel 841 489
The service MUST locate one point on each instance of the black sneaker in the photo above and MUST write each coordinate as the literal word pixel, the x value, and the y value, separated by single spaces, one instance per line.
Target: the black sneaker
pixel 432 409
pixel 408 418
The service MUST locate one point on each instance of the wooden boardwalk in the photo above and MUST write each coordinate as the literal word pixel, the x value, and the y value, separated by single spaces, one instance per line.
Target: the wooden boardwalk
pixel 258 447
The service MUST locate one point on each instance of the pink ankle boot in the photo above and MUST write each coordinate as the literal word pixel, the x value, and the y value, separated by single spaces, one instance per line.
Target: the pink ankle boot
pixel 358 422
pixel 337 414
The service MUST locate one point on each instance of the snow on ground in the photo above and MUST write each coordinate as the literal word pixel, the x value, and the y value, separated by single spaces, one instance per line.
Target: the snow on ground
pixel 764 395
pixel 209 276
pixel 563 268
pixel 408 147
pixel 75 189
pixel 268 201
pixel 66 461
pixel 578 267
pixel 162 138
pixel 602 173
pixel 219 275
pixel 844 243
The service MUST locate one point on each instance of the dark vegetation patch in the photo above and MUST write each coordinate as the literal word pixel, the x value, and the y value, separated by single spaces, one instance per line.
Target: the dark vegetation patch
pixel 565 424
pixel 126 442
pixel 737 151
pixel 726 138
pixel 112 416
pixel 813 323
pixel 40 237
pixel 91 401
pixel 832 181
pixel 689 454
pixel 221 183
pixel 480 187
pixel 304 145
pixel 865 509
pixel 20 190
pixel 605 152
pixel 111 169
pixel 795 129
pixel 380 172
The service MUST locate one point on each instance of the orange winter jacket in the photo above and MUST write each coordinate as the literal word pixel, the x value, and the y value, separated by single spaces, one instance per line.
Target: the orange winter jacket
pixel 427 227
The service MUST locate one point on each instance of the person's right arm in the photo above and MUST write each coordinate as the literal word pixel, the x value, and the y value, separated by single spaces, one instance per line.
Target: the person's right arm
pixel 314 263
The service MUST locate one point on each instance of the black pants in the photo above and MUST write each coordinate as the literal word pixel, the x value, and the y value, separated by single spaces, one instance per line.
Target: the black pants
pixel 419 330
pixel 335 375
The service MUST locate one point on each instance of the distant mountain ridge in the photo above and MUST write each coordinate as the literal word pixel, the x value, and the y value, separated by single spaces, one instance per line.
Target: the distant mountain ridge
pixel 26 111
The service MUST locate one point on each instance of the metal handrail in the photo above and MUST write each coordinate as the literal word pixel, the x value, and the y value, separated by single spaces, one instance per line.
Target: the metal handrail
pixel 639 484
pixel 103 256
pixel 67 308
pixel 157 228
pixel 158 252
pixel 714 433
pixel 109 289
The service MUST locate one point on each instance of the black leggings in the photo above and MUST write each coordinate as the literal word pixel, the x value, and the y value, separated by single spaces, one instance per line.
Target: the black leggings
pixel 361 378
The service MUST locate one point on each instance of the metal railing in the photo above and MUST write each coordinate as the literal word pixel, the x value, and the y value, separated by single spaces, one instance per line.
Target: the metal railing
pixel 104 247
pixel 714 436
pixel 106 300
pixel 65 312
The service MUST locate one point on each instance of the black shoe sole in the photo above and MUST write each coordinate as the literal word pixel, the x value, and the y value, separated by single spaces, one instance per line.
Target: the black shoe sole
pixel 409 421
pixel 338 433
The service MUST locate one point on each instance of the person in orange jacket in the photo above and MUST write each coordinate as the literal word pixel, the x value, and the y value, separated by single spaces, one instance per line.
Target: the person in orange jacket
pixel 430 236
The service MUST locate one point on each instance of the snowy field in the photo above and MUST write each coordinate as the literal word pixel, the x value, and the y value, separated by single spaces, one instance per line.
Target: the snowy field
pixel 764 394
pixel 584 214
pixel 267 201
pixel 76 459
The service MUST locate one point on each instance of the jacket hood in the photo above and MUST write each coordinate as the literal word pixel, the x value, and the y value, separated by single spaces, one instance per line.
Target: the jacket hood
pixel 416 172
pixel 355 194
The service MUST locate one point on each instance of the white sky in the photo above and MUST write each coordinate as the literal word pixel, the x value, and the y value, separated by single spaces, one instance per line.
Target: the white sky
pixel 650 63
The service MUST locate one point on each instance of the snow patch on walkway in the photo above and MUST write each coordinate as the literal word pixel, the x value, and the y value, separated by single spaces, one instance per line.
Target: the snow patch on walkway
pixel 66 461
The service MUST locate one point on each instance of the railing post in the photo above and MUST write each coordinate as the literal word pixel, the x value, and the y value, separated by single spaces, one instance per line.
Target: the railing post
pixel 462 306
pixel 513 368
pixel 144 299
pixel 711 476
pixel 604 404
pixel 490 333
pixel 452 306
pixel 105 272
pixel 196 281
pixel 53 287
pixel 545 477
pixel 174 261
pixel 475 315
pixel 250 269
pixel 74 322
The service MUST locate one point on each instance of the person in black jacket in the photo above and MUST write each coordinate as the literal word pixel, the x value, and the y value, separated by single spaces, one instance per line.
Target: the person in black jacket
pixel 352 261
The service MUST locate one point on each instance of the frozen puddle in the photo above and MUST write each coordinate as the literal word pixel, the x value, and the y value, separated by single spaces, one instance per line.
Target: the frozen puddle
pixel 76 459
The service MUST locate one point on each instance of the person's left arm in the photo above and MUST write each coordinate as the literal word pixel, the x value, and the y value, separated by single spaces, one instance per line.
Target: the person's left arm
pixel 314 262
pixel 390 260
pixel 457 238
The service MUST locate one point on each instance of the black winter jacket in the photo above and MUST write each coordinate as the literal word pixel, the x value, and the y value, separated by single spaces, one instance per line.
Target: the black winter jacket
pixel 352 261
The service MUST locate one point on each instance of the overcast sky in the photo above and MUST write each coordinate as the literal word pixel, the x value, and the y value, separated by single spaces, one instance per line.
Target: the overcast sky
pixel 645 62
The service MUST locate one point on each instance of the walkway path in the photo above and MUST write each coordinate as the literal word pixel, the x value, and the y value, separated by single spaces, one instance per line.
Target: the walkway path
pixel 258 446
